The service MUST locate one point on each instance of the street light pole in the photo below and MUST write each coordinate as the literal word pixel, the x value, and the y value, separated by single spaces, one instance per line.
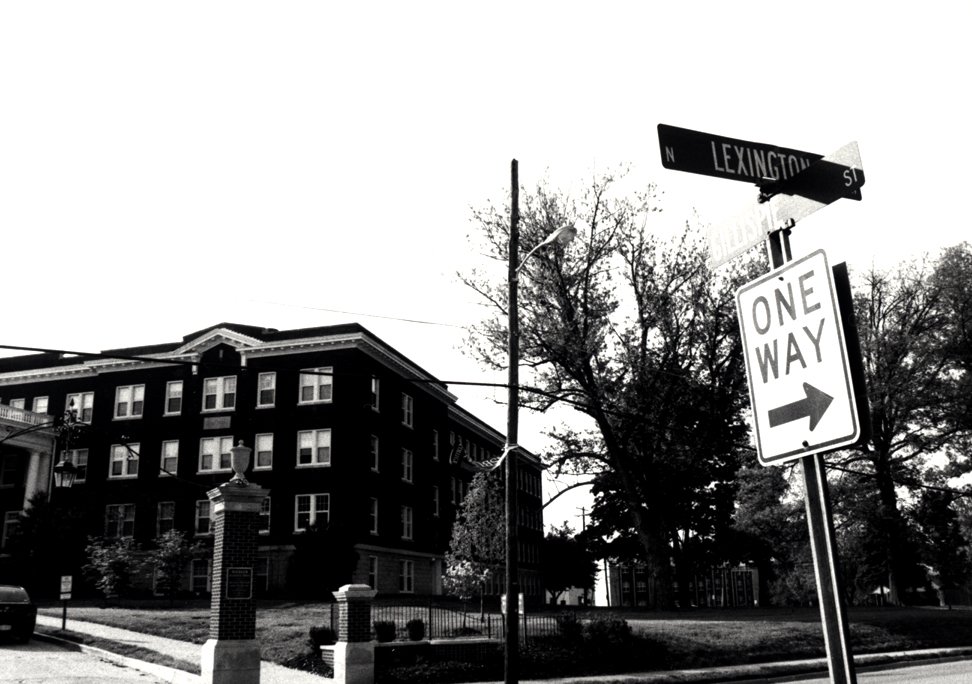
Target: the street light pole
pixel 511 651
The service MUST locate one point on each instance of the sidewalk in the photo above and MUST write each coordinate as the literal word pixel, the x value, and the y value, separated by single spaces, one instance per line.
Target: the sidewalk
pixel 270 673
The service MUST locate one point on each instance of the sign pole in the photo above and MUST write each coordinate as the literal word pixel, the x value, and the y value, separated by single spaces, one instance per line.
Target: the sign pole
pixel 823 543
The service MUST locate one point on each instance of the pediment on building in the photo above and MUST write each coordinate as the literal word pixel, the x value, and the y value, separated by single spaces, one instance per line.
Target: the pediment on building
pixel 215 337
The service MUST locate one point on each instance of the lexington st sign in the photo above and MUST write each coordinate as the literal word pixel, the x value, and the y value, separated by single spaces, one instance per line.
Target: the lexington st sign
pixel 799 373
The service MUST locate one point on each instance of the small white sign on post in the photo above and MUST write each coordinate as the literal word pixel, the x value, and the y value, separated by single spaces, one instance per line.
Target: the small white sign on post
pixel 66 583
pixel 800 384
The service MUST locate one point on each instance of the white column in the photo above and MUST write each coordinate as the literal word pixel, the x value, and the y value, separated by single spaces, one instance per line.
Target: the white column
pixel 38 475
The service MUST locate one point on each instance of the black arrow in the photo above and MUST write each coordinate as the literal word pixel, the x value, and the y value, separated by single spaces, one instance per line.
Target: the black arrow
pixel 814 406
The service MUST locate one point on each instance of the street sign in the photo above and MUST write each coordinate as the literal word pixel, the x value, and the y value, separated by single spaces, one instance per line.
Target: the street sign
pixel 828 179
pixel 66 582
pixel 800 383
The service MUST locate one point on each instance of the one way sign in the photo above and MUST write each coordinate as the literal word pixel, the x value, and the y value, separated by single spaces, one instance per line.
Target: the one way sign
pixel 796 359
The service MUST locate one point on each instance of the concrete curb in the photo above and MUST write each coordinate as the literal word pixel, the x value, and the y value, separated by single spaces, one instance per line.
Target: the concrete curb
pixel 166 674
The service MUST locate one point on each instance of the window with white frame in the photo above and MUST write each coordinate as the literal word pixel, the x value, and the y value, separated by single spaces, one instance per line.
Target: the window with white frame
pixel 406 576
pixel 123 461
pixel 129 401
pixel 263 524
pixel 219 394
pixel 40 405
pixel 316 385
pixel 373 572
pixel 17 403
pixel 173 398
pixel 203 517
pixel 435 445
pixel 170 457
pixel 374 453
pixel 375 386
pixel 408 408
pixel 407 465
pixel 119 520
pixel 201 579
pixel 311 508
pixel 10 521
pixel 407 518
pixel 266 389
pixel 11 470
pixel 83 403
pixel 314 448
pixel 435 501
pixel 79 457
pixel 215 454
pixel 165 518
pixel 373 516
pixel 263 446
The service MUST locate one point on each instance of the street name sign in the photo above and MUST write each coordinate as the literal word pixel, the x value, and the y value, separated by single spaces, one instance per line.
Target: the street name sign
pixel 828 179
pixel 799 372
pixel 742 160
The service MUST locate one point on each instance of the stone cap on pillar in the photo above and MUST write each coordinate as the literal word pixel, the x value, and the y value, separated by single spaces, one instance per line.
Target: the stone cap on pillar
pixel 354 592
pixel 248 498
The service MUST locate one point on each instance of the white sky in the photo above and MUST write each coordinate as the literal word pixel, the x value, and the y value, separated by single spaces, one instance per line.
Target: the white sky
pixel 167 166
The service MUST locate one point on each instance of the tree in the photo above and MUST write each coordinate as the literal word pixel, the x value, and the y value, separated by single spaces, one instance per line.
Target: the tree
pixel 168 560
pixel 112 564
pixel 477 548
pixel 566 562
pixel 637 335
pixel 944 551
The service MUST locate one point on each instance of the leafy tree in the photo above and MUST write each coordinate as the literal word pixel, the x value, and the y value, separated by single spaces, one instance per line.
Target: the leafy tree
pixel 636 334
pixel 324 559
pixel 477 548
pixel 566 562
pixel 169 559
pixel 944 550
pixel 112 564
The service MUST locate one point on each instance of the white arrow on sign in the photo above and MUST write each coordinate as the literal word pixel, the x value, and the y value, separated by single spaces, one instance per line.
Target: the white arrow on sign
pixel 797 365
pixel 751 226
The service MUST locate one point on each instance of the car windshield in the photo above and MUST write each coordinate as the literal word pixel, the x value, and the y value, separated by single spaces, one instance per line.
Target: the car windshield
pixel 13 595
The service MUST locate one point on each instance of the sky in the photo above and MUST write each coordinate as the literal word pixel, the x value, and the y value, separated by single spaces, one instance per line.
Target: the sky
pixel 168 166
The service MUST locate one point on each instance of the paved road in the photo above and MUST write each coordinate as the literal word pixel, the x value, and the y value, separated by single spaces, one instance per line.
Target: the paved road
pixel 954 672
pixel 40 662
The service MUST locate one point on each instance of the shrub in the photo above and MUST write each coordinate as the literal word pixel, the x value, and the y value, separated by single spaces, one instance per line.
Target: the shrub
pixel 608 633
pixel 568 626
pixel 384 630
pixel 416 629
pixel 322 636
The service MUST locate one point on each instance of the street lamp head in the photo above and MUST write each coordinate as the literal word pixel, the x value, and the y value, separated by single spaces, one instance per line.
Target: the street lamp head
pixel 561 236
pixel 64 474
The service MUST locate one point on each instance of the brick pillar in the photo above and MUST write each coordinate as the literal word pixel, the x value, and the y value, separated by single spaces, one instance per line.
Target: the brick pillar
pixel 354 652
pixel 232 654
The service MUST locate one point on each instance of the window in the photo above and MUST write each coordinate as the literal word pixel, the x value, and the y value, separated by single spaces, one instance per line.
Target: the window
pixel 40 405
pixel 173 398
pixel 17 403
pixel 10 521
pixel 79 457
pixel 309 508
pixel 170 457
pixel 314 448
pixel 406 522
pixel 261 575
pixel 374 453
pixel 83 403
pixel 374 393
pixel 407 465
pixel 316 385
pixel 407 409
pixel 203 517
pixel 373 516
pixel 124 460
pixel 406 576
pixel 165 519
pixel 214 453
pixel 202 579
pixel 435 445
pixel 264 451
pixel 266 389
pixel 129 400
pixel 454 492
pixel 373 572
pixel 10 471
pixel 263 525
pixel 219 394
pixel 119 520
pixel 435 501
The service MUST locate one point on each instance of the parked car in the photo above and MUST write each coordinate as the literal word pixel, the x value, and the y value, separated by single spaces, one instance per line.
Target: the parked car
pixel 18 614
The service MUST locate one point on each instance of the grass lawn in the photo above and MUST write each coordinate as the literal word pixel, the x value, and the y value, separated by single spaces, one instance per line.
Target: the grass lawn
pixel 703 638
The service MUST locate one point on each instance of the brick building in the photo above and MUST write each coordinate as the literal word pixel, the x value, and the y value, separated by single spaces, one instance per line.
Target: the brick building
pixel 344 430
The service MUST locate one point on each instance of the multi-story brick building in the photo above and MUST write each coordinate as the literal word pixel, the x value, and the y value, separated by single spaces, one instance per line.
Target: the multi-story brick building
pixel 344 430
